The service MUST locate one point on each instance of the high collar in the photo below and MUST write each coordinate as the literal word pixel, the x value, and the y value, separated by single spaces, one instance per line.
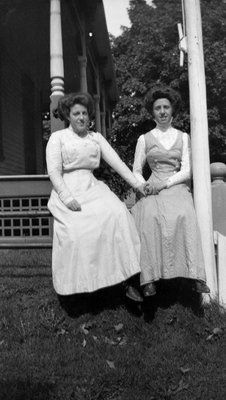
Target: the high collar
pixel 81 136
pixel 163 128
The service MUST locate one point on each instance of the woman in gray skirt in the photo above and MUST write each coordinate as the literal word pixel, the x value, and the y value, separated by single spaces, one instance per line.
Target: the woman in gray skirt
pixel 165 219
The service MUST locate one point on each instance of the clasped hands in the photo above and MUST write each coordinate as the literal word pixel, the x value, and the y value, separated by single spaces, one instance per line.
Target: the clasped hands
pixel 147 189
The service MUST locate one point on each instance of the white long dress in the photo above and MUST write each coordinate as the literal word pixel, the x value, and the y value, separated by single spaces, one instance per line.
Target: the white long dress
pixel 99 245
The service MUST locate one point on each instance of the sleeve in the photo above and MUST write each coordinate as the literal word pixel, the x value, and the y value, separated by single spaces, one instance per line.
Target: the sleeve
pixel 54 168
pixel 185 172
pixel 111 157
pixel 139 159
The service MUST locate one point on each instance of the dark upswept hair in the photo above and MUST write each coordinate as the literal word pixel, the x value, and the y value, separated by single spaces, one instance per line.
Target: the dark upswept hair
pixel 163 92
pixel 69 100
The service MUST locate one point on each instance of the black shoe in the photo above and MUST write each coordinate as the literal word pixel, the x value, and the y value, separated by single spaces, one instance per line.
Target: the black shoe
pixel 201 287
pixel 133 294
pixel 149 290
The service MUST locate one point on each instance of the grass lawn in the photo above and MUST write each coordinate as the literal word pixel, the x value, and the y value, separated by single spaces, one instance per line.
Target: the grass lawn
pixel 100 347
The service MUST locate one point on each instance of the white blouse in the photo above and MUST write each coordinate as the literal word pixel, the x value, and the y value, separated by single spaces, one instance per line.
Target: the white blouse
pixel 67 152
pixel 167 139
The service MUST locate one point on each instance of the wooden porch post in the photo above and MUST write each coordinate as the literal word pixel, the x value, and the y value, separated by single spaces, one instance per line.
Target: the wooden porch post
pixel 97 112
pixel 199 138
pixel 97 103
pixel 83 78
pixel 56 62
pixel 103 114
pixel 83 59
pixel 103 124
pixel 109 113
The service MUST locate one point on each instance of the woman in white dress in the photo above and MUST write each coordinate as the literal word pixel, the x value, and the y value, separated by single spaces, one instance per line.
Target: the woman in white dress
pixel 95 241
pixel 166 220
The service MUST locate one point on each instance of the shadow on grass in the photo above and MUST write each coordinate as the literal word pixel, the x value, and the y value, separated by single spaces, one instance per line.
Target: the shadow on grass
pixel 25 390
pixel 170 292
pixel 95 303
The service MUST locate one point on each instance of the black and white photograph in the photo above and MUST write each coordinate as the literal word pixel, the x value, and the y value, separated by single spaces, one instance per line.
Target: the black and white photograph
pixel 113 200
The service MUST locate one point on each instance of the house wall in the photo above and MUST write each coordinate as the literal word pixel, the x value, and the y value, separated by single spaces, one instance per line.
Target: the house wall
pixel 25 84
pixel 21 141
pixel 12 161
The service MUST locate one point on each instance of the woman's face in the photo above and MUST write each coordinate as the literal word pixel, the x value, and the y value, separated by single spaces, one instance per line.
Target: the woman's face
pixel 79 119
pixel 162 112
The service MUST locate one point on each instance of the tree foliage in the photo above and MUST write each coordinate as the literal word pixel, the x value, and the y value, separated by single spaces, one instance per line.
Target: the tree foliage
pixel 147 53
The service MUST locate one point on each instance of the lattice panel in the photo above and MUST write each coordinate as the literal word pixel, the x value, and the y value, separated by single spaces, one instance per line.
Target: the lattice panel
pixel 11 227
pixel 24 204
pixel 25 218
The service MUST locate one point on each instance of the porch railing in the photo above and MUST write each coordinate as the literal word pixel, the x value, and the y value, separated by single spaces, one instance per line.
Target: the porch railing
pixel 24 218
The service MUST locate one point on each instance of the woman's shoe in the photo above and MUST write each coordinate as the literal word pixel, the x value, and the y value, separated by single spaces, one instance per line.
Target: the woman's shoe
pixel 201 287
pixel 133 294
pixel 149 290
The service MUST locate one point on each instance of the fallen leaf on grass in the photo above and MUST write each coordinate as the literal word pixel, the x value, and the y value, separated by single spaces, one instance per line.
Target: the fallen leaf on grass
pixel 172 320
pixel 182 386
pixel 176 389
pixel 185 370
pixel 22 326
pixel 118 327
pixel 215 333
pixel 111 364
pixel 120 341
pixel 85 328
pixel 110 341
pixel 123 341
pixel 61 332
pixel 90 324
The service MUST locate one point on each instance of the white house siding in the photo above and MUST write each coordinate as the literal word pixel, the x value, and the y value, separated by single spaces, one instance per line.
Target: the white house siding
pixel 11 110
pixel 21 141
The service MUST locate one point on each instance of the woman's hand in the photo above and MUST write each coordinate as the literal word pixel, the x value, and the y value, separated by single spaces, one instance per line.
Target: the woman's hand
pixel 159 186
pixel 73 205
pixel 142 189
pixel 150 189
pixel 154 189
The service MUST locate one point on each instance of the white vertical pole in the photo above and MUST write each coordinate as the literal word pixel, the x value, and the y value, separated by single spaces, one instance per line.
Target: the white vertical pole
pixel 56 61
pixel 199 138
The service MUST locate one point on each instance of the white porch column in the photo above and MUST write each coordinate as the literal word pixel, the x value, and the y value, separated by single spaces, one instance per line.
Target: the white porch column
pixel 199 138
pixel 56 62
